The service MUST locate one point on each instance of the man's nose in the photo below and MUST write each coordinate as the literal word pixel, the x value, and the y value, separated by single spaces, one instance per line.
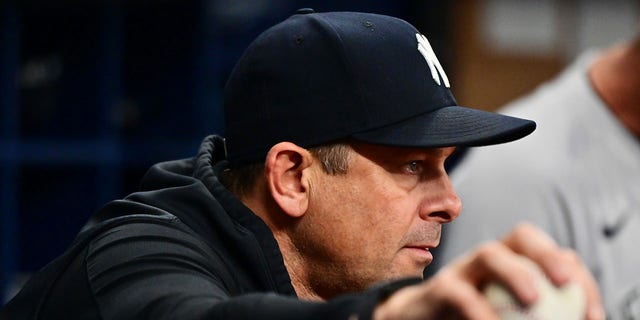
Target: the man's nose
pixel 441 203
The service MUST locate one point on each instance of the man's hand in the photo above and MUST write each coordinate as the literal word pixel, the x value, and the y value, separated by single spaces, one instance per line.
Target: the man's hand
pixel 456 290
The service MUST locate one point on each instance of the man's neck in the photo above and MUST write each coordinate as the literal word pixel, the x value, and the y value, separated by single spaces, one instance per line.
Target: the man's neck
pixel 296 268
pixel 261 204
pixel 303 291
pixel 616 78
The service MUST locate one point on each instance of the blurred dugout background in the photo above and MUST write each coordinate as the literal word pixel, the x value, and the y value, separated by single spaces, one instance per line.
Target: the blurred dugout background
pixel 94 92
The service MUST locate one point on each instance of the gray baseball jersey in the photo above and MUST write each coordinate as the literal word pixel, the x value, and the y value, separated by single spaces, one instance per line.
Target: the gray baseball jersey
pixel 577 176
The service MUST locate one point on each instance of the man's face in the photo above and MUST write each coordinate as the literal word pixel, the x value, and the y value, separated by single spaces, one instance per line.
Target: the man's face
pixel 378 221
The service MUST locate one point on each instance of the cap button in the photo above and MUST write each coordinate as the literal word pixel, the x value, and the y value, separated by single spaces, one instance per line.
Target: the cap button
pixel 305 11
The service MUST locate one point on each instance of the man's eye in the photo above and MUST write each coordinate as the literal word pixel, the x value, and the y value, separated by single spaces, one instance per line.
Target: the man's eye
pixel 414 167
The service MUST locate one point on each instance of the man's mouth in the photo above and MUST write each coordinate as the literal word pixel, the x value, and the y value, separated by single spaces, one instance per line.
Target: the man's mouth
pixel 419 248
pixel 420 253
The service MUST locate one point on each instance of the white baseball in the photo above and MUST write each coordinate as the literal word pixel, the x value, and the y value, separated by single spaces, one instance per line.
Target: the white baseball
pixel 566 303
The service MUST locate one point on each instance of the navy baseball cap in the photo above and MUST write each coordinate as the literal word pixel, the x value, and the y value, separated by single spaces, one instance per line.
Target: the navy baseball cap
pixel 320 77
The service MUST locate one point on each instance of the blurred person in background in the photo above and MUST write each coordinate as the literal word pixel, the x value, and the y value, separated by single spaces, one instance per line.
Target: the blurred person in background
pixel 577 177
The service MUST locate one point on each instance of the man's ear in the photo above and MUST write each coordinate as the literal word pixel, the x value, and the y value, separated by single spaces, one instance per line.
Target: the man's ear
pixel 284 167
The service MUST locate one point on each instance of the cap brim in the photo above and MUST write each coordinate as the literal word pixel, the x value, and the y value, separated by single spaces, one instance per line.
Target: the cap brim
pixel 450 126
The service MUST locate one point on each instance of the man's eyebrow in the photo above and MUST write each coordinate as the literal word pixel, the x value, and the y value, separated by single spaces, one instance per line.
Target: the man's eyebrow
pixel 448 151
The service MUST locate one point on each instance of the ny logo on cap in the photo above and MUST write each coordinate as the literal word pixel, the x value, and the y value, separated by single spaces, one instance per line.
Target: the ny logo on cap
pixel 434 65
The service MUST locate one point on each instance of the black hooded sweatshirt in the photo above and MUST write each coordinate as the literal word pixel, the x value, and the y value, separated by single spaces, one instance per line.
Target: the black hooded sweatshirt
pixel 183 247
